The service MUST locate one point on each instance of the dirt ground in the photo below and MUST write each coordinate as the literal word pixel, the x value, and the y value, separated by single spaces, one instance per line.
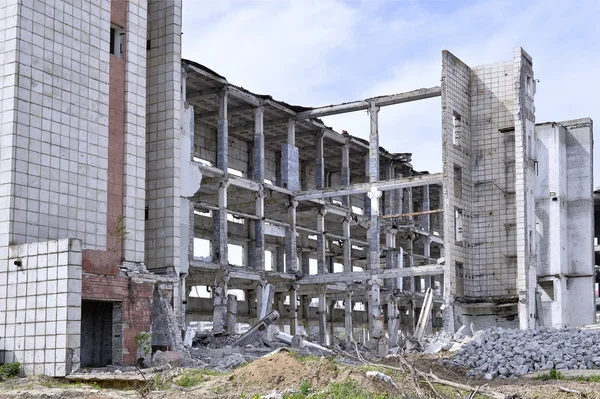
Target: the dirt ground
pixel 284 372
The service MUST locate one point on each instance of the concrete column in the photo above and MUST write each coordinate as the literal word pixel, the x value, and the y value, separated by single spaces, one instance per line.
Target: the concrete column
pixel 223 133
pixel 259 176
pixel 280 258
pixel 264 299
pixel 389 197
pixel 231 313
pixel 393 320
pixel 323 335
pixel 293 310
pixel 259 146
pixel 305 256
pixel 373 231
pixel 348 316
pixel 366 195
pixel 346 171
pixel 304 175
pixel 219 243
pixel 427 250
pixel 291 258
pixel 251 298
pixel 330 259
pixel 290 161
pixel 374 145
pixel 259 231
pixel 374 305
pixel 347 247
pixel 320 161
pixel 321 254
pixel 426 207
pixel 279 299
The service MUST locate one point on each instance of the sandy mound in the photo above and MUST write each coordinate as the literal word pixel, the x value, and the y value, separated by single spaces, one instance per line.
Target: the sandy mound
pixel 282 371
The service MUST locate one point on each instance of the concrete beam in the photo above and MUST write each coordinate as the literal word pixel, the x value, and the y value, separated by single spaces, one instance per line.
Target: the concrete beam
pixel 360 188
pixel 244 96
pixel 427 270
pixel 381 101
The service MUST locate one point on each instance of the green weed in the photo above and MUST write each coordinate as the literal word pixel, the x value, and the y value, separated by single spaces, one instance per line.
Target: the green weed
pixel 9 370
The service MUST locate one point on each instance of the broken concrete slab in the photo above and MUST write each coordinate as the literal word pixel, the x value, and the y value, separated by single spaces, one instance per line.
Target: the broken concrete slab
pixel 230 362
pixel 173 358
pixel 257 329
pixel 287 338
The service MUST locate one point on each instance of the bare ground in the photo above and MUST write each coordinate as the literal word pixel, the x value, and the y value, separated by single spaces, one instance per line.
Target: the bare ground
pixel 283 371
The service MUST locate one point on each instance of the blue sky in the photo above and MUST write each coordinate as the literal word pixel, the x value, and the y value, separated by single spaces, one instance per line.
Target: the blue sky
pixel 316 53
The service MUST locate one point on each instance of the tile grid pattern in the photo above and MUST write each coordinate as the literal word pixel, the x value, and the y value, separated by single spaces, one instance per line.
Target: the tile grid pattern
pixel 135 130
pixel 493 265
pixel 163 104
pixel 40 306
pixel 61 135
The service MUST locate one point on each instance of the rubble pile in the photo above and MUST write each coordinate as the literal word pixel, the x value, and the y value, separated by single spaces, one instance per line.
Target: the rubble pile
pixel 503 353
pixel 440 341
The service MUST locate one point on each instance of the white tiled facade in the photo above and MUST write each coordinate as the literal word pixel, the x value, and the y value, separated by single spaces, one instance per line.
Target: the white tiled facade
pixel 54 147
pixel 163 134
pixel 40 306
pixel 59 130
pixel 494 257
pixel 135 130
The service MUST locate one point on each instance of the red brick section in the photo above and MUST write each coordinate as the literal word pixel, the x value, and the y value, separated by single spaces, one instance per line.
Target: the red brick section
pixel 100 262
pixel 118 12
pixel 116 136
pixel 137 305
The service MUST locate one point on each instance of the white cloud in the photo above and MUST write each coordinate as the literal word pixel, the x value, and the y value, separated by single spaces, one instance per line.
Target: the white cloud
pixel 323 52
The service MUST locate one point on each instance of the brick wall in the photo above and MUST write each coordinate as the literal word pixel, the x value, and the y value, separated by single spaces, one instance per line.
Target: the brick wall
pixel 135 297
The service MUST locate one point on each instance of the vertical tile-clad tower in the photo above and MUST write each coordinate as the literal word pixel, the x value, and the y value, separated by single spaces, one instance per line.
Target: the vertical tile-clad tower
pixel 72 169
pixel 55 136
pixel 489 218
pixel 163 134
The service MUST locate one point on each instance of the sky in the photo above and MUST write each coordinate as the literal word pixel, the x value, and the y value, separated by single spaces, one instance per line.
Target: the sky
pixel 315 53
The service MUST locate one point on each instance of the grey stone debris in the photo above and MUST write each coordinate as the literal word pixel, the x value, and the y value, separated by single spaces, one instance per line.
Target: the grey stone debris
pixel 504 353
pixel 230 362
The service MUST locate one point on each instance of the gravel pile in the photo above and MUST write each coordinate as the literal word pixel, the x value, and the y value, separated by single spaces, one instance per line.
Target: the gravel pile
pixel 503 353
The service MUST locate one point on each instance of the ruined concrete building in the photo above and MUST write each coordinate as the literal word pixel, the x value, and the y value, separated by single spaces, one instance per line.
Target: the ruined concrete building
pixel 131 180
pixel 518 202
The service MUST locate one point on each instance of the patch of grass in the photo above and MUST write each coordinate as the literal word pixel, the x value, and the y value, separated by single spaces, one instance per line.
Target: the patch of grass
pixel 450 392
pixel 348 389
pixel 192 377
pixel 591 378
pixel 9 370
pixel 305 387
pixel 551 375
pixel 304 358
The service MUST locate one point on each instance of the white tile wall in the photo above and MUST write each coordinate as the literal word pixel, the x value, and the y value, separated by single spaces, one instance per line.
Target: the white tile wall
pixel 8 112
pixel 163 133
pixel 40 306
pixel 135 130
pixel 60 123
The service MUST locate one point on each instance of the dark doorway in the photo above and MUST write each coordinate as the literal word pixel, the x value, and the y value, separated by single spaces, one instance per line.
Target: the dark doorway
pixel 96 333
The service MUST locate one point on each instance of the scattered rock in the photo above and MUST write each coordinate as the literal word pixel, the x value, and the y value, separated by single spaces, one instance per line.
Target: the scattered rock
pixel 382 377
pixel 173 358
pixel 498 352
pixel 230 362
